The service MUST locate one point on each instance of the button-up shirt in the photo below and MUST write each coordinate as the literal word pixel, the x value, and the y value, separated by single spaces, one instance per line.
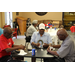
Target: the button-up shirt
pixel 46 38
pixel 67 50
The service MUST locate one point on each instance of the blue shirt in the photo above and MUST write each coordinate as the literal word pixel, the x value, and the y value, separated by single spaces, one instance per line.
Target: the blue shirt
pixel 1 31
pixel 46 38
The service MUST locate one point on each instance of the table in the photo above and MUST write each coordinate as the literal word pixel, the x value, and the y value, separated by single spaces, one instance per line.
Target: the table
pixel 39 53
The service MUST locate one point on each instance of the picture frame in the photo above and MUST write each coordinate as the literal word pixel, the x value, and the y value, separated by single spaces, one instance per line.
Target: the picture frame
pixel 41 13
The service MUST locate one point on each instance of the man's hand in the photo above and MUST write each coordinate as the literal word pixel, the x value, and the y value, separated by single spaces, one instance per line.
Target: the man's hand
pixel 37 44
pixel 52 52
pixel 22 47
pixel 45 45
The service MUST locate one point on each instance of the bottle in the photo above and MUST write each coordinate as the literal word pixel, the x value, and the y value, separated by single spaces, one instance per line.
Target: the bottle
pixel 33 52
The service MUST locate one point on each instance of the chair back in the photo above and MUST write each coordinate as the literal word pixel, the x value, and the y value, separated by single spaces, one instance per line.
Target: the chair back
pixel 7 26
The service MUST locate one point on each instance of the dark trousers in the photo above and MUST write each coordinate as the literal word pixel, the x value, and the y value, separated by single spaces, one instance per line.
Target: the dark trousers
pixel 55 59
pixel 28 38
pixel 9 59
pixel 5 58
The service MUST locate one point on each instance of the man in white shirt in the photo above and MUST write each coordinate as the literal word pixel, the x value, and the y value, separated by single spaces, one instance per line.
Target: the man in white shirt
pixel 41 39
pixel 31 29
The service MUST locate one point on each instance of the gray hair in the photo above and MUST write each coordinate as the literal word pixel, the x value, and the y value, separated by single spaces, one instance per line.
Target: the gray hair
pixel 35 22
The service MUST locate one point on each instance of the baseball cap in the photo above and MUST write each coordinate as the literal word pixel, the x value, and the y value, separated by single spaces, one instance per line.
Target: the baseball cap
pixel 41 26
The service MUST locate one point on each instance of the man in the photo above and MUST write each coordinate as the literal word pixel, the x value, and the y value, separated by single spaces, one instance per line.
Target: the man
pixel 7 45
pixel 31 29
pixel 66 51
pixel 41 39
pixel 1 31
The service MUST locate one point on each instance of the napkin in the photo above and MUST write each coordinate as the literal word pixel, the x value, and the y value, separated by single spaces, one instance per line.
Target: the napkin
pixel 22 52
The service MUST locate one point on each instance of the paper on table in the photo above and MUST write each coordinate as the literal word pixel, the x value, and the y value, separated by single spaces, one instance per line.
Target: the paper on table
pixel 22 52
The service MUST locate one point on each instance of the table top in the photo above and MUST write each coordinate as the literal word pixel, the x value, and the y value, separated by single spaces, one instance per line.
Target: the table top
pixel 39 53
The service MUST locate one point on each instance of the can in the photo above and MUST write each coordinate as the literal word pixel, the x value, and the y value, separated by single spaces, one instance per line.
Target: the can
pixel 33 52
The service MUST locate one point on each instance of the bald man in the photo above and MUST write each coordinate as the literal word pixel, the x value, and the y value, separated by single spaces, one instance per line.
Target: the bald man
pixel 7 45
pixel 66 51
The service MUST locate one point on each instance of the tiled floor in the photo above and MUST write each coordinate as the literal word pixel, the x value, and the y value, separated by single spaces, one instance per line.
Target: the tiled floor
pixel 21 40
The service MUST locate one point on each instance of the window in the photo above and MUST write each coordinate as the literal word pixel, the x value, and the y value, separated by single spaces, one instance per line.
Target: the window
pixel 8 19
pixel 68 19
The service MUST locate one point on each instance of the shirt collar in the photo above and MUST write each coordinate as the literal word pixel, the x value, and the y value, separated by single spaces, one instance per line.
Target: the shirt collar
pixel 66 38
pixel 43 34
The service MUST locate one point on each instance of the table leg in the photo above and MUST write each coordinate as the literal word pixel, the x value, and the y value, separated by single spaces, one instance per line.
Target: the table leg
pixel 33 59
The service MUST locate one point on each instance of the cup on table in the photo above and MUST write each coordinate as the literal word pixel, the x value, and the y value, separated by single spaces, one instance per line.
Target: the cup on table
pixel 51 48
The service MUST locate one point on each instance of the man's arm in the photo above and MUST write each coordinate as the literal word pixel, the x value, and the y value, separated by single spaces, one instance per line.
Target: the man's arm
pixel 53 52
pixel 46 45
pixel 56 46
pixel 35 44
pixel 15 47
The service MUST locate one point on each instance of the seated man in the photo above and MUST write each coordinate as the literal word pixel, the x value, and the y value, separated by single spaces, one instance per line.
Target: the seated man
pixel 41 38
pixel 1 31
pixel 31 29
pixel 7 45
pixel 66 51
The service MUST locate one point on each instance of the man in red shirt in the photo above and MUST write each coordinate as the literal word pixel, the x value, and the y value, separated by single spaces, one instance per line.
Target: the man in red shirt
pixel 7 45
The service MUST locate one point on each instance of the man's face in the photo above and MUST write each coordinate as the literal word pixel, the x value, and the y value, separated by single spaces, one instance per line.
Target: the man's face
pixel 60 36
pixel 41 31
pixel 9 35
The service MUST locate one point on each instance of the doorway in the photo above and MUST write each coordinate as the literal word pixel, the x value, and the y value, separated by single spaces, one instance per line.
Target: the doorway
pixel 8 19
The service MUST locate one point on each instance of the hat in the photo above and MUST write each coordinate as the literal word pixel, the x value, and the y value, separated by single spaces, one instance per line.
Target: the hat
pixel 35 22
pixel 41 26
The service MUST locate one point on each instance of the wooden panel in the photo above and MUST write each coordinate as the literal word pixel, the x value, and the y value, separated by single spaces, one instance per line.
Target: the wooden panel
pixel 22 24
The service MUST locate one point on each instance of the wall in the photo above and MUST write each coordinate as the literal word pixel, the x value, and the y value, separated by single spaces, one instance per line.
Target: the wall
pixel 14 15
pixel 48 16
pixel 2 19
pixel 32 15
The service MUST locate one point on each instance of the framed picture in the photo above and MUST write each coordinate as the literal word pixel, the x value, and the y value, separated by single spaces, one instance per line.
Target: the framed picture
pixel 41 13
pixel 17 13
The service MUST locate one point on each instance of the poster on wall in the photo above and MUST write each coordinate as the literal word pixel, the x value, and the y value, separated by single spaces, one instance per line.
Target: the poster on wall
pixel 17 13
pixel 41 13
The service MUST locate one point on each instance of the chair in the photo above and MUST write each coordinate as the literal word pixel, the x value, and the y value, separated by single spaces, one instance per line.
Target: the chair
pixel 27 38
pixel 14 32
pixel 6 26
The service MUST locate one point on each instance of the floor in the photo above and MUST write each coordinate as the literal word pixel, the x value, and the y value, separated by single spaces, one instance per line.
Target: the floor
pixel 21 40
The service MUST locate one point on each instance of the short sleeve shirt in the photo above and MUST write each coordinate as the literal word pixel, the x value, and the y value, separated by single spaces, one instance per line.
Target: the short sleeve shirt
pixel 4 44
pixel 46 38
pixel 67 50
pixel 30 30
